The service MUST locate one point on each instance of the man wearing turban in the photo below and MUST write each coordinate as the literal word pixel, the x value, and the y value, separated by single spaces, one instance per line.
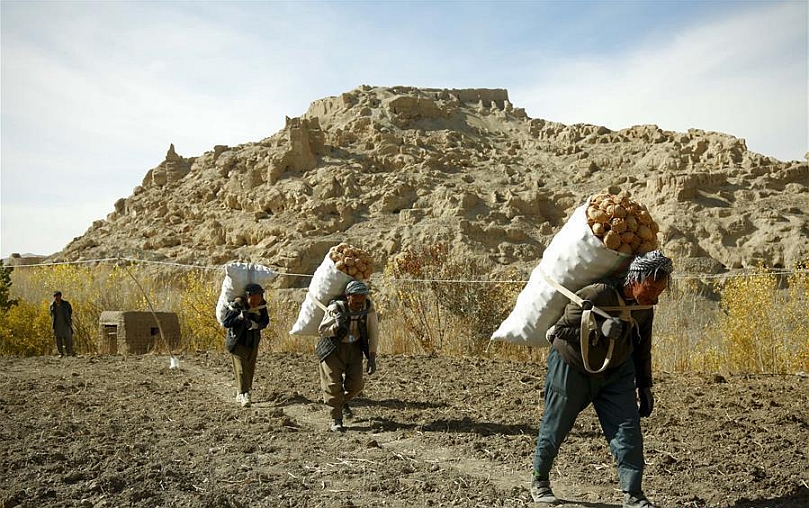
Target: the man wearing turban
pixel 349 331
pixel 621 345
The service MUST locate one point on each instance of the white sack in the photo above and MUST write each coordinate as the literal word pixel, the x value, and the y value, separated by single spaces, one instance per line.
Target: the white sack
pixel 327 283
pixel 574 259
pixel 237 277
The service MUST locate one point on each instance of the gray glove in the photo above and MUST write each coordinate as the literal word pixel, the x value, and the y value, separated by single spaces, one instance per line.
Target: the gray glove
pixel 612 328
pixel 647 401
pixel 371 365
pixel 253 324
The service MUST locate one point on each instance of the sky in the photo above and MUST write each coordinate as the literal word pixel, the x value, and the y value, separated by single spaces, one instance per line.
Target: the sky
pixel 93 93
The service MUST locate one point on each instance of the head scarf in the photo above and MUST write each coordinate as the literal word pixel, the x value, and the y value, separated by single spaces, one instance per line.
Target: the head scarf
pixel 652 264
pixel 356 287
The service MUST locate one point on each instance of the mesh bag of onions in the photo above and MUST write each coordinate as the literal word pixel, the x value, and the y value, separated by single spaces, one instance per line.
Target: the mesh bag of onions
pixel 600 238
pixel 622 224
pixel 343 263
pixel 352 261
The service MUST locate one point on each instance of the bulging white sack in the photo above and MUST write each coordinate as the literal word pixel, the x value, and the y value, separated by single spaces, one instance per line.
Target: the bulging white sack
pixel 237 276
pixel 327 283
pixel 574 259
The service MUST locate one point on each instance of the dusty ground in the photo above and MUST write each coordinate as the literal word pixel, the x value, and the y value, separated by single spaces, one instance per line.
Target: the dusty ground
pixel 115 431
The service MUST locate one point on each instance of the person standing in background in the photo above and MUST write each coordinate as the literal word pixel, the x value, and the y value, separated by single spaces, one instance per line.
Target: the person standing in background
pixel 62 324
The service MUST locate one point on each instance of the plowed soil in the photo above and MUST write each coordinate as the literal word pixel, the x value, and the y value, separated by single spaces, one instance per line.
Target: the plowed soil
pixel 428 431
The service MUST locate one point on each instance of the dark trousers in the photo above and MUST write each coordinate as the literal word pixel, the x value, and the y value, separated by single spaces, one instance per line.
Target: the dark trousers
pixel 568 392
pixel 64 345
pixel 244 366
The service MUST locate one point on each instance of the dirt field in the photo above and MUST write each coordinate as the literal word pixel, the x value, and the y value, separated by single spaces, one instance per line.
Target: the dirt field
pixel 115 431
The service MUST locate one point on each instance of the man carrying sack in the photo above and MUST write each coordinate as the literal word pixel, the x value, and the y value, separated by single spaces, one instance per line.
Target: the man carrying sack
pixel 349 330
pixel 246 316
pixel 603 361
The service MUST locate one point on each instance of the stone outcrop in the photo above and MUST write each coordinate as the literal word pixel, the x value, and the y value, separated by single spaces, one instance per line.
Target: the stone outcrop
pixel 170 171
pixel 391 168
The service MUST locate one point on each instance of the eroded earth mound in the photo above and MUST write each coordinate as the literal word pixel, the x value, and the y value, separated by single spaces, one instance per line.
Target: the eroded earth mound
pixel 391 168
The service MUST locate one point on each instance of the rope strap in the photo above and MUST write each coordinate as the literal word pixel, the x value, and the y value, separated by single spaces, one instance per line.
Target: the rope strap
pixel 589 324
pixel 317 302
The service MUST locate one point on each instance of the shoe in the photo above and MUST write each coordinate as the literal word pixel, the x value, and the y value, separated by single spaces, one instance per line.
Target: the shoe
pixel 337 426
pixel 347 413
pixel 246 399
pixel 541 492
pixel 637 500
pixel 239 398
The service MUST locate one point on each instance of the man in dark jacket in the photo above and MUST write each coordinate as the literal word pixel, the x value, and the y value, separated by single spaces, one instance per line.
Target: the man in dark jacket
pixel 245 318
pixel 62 324
pixel 604 361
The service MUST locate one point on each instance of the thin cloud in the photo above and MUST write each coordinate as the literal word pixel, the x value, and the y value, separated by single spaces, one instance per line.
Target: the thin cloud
pixel 740 75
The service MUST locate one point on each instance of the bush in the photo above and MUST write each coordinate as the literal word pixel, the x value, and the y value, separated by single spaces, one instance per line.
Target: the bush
pixel 91 290
pixel 428 303
pixel 764 326
pixel 683 338
pixel 191 294
pixel 25 329
pixel 5 285
pixel 441 297
pixel 199 292
pixel 409 274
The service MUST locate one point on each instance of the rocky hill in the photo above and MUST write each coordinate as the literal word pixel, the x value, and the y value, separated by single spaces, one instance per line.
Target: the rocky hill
pixel 391 168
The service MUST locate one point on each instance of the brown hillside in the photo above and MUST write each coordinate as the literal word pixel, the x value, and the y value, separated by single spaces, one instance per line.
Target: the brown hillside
pixel 388 168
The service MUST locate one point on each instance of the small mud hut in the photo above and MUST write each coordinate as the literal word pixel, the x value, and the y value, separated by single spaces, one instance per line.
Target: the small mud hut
pixel 134 332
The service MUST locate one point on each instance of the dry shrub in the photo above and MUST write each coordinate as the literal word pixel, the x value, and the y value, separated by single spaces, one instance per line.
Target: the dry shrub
pixel 682 337
pixel 25 330
pixel 764 327
pixel 759 325
pixel 5 287
pixel 418 309
pixel 197 313
pixel 90 290
pixel 450 305
pixel 283 307
pixel 796 322
pixel 110 287
pixel 430 303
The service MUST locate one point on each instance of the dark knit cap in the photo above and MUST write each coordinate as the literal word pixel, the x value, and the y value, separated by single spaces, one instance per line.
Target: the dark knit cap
pixel 253 289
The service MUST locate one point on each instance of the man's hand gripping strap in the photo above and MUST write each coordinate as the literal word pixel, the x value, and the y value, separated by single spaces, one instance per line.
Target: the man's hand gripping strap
pixel 588 322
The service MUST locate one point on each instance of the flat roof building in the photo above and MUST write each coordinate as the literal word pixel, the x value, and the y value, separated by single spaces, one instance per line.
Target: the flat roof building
pixel 137 332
